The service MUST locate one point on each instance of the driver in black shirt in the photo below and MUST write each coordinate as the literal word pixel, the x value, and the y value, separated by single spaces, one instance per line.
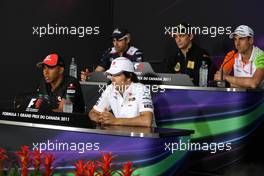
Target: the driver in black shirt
pixel 188 56
pixel 56 85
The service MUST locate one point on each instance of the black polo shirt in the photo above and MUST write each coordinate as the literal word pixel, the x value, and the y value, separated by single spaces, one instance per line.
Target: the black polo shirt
pixel 70 86
pixel 132 53
pixel 178 63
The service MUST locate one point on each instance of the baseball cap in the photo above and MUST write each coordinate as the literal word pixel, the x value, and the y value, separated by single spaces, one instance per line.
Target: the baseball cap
pixel 119 33
pixel 52 60
pixel 119 65
pixel 242 31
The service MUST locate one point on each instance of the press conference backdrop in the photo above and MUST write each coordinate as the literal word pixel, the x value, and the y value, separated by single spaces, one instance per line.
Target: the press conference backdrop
pixel 30 30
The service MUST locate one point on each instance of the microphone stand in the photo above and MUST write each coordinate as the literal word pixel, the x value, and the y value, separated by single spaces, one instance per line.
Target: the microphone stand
pixel 222 82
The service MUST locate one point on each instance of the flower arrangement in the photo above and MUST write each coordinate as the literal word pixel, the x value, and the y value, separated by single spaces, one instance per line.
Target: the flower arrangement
pixel 105 167
pixel 36 164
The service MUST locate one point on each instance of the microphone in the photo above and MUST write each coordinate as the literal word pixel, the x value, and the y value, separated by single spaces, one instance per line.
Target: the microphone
pixel 222 82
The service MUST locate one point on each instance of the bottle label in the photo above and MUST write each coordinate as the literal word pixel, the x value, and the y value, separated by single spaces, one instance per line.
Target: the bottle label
pixel 70 91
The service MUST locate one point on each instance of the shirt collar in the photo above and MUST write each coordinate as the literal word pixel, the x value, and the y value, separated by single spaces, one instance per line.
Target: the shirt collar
pixel 251 56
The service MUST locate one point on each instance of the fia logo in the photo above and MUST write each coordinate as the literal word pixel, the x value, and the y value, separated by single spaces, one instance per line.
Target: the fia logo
pixel 32 102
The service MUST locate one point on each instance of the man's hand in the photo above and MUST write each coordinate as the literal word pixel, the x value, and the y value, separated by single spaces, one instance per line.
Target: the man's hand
pixel 106 117
pixel 217 76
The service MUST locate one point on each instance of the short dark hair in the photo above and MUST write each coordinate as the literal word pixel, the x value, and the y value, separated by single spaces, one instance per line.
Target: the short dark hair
pixel 132 76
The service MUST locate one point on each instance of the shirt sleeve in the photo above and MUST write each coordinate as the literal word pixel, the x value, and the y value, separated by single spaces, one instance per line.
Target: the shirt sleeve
pixel 259 61
pixel 229 61
pixel 103 102
pixel 145 101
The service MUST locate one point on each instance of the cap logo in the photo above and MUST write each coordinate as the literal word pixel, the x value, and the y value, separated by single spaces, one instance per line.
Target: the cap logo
pixel 48 58
pixel 117 31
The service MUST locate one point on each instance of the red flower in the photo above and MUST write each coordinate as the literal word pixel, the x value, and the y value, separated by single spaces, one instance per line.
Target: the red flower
pixel 127 169
pixel 90 168
pixel 79 168
pixel 24 159
pixel 48 160
pixel 3 157
pixel 36 161
pixel 105 165
pixel 36 158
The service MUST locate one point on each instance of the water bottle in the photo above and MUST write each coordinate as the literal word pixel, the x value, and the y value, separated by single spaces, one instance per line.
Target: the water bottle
pixel 203 74
pixel 68 106
pixel 73 68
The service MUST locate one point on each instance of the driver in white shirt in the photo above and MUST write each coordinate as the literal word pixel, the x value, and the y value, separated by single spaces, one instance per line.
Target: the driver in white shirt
pixel 129 101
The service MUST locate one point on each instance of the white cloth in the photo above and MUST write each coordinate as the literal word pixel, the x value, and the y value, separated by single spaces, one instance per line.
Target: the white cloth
pixel 136 98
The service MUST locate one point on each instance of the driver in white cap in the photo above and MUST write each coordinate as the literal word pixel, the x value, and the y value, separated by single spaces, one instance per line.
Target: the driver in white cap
pixel 247 61
pixel 124 102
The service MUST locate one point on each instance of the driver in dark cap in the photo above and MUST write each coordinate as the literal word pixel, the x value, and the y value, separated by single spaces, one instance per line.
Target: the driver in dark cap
pixel 121 48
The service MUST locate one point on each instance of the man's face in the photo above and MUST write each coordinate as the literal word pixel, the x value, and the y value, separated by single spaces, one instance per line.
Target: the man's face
pixel 243 44
pixel 52 74
pixel 119 81
pixel 121 45
pixel 183 41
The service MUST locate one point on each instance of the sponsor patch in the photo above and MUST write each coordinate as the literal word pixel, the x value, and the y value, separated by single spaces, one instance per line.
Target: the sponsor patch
pixel 148 105
pixel 190 64
pixel 177 67
pixel 131 99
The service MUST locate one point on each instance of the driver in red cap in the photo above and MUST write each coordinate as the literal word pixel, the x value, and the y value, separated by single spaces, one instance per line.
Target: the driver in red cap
pixel 56 85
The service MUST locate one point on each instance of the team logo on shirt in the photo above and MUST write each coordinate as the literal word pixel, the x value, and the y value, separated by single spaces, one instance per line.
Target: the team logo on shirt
pixel 148 105
pixel 131 99
pixel 190 64
pixel 177 67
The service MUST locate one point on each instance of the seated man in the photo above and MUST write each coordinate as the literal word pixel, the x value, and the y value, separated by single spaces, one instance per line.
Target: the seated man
pixel 55 85
pixel 129 101
pixel 121 47
pixel 187 57
pixel 247 62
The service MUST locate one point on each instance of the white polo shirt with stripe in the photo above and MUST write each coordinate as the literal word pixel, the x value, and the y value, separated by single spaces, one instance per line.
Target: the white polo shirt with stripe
pixel 136 98
pixel 256 60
